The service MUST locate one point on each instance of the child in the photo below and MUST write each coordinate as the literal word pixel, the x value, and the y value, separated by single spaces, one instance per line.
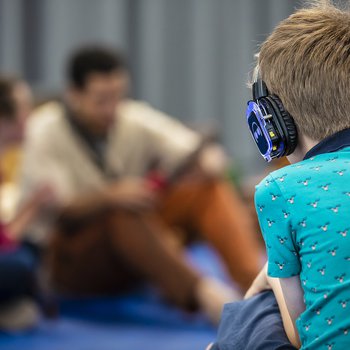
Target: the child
pixel 18 287
pixel 304 208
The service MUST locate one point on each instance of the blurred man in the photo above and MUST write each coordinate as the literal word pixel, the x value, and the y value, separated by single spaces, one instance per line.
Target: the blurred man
pixel 128 179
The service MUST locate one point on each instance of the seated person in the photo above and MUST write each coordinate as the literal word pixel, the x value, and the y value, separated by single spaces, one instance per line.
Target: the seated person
pixel 128 179
pixel 300 101
pixel 18 288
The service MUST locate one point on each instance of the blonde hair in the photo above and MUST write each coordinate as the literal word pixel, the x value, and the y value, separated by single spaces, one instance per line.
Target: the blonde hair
pixel 306 62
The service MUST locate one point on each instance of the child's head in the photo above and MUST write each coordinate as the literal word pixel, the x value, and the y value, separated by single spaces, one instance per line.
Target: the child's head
pixel 306 62
pixel 15 106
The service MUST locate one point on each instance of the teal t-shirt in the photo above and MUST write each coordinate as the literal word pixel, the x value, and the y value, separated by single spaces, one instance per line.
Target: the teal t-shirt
pixel 304 215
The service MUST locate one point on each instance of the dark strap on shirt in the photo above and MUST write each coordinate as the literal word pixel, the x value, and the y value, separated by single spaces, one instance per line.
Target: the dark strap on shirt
pixel 96 146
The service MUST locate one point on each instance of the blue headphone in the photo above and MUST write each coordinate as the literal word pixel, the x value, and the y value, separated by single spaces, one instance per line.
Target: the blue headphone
pixel 272 127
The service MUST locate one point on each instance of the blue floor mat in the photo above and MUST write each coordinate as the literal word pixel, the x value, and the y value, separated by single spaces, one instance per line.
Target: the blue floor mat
pixel 140 321
pixel 67 334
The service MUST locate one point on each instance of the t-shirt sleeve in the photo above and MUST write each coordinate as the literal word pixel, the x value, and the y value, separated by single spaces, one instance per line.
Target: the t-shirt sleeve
pixel 274 216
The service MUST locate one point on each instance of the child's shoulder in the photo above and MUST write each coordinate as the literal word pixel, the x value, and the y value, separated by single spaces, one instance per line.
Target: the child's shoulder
pixel 286 174
pixel 314 167
pixel 302 176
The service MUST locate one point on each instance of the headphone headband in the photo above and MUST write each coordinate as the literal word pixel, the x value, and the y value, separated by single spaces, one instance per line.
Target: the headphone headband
pixel 259 89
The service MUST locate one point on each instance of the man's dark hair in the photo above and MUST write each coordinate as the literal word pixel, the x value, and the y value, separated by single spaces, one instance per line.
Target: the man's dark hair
pixel 93 59
pixel 7 102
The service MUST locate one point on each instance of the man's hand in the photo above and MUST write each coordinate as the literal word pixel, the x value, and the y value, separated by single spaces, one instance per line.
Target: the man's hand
pixel 131 194
pixel 44 196
pixel 260 284
pixel 209 163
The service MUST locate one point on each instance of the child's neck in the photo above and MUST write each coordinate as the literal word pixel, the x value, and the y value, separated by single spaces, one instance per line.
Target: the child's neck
pixel 304 145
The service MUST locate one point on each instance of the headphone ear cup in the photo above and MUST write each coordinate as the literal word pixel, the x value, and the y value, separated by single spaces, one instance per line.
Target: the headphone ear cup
pixel 292 133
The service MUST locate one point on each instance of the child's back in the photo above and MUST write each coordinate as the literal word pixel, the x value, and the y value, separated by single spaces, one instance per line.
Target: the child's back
pixel 304 212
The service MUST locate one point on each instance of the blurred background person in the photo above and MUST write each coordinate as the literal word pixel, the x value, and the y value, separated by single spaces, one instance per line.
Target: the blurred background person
pixel 127 179
pixel 18 259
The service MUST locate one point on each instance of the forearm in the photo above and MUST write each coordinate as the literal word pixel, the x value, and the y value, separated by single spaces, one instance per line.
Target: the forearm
pixel 130 194
pixel 85 205
pixel 17 226
pixel 26 214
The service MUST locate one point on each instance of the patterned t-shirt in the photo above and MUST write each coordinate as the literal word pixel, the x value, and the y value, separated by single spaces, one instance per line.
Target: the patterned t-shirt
pixel 304 214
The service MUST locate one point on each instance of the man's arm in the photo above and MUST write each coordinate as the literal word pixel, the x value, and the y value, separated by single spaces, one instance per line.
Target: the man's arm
pixel 43 166
pixel 129 193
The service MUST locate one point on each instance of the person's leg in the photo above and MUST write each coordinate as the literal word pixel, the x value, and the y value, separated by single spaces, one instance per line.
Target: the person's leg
pixel 252 324
pixel 216 211
pixel 81 260
pixel 17 274
pixel 107 256
pixel 112 252
pixel 18 290
pixel 141 241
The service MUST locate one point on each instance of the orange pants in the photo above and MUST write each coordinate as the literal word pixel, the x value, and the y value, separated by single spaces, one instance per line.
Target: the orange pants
pixel 111 252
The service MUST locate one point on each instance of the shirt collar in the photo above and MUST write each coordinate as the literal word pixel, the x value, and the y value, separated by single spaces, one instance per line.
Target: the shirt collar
pixel 332 143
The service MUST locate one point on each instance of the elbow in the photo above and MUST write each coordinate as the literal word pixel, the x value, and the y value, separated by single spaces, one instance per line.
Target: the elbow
pixel 294 339
pixel 297 343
